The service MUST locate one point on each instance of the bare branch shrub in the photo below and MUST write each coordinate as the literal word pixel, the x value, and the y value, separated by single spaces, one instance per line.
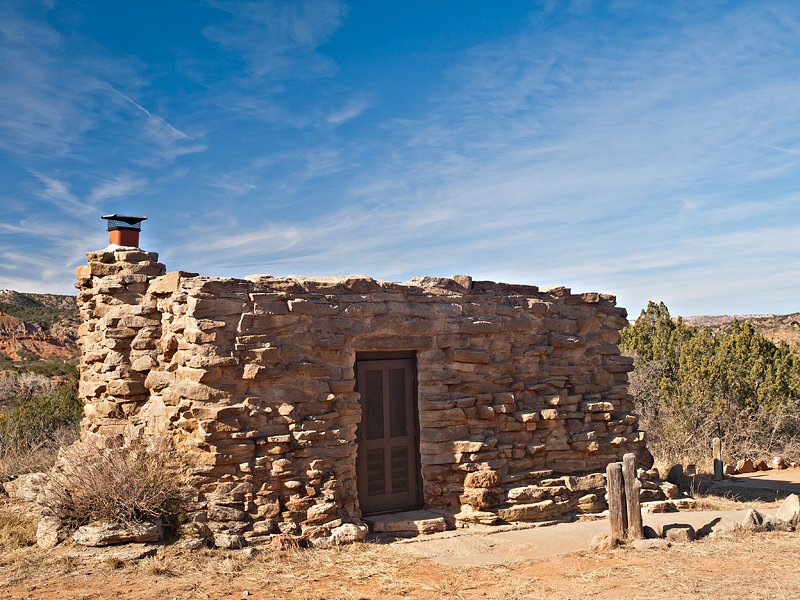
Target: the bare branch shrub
pixel 128 482
pixel 19 458
pixel 16 389
pixel 682 433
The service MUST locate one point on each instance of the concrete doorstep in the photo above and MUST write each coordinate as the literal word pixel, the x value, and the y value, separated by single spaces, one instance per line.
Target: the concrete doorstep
pixel 466 547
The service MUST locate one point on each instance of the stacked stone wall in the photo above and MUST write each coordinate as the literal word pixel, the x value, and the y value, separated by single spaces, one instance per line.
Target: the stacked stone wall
pixel 522 392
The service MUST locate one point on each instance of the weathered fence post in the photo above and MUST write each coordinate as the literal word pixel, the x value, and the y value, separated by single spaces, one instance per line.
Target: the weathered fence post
pixel 617 512
pixel 716 448
pixel 634 505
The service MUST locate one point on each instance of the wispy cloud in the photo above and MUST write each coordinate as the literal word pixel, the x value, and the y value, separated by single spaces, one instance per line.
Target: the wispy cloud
pixel 118 187
pixel 54 94
pixel 43 99
pixel 172 142
pixel 351 109
pixel 57 192
pixel 279 39
pixel 551 157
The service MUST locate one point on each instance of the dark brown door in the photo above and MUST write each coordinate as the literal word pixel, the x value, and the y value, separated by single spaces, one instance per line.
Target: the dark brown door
pixel 386 464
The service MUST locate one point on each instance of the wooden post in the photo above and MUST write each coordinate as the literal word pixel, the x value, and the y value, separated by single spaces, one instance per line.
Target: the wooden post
pixel 617 513
pixel 634 505
pixel 716 448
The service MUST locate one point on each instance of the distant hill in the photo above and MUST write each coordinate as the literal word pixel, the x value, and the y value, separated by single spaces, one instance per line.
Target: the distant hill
pixel 775 328
pixel 56 315
pixel 37 326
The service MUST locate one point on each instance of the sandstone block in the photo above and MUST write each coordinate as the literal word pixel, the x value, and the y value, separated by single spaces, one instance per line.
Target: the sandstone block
pixel 157 380
pixel 214 307
pixel 393 342
pixel 231 541
pixel 604 542
pixel 309 307
pixel 468 355
pixel 679 532
pixel 225 513
pixel 594 481
pixel 651 544
pixel 121 387
pixel 789 510
pixel 106 534
pixel 719 527
pixel 50 532
pixel 260 372
pixel 527 416
pixel 526 494
pixel 533 512
pixel 485 478
pixel 484 412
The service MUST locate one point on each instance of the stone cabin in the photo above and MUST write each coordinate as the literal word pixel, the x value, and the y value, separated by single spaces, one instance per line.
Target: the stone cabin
pixel 306 404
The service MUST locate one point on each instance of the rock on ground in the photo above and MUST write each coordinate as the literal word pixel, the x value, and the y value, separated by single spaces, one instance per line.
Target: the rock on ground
pixel 50 532
pixel 679 532
pixel 226 540
pixel 651 544
pixel 126 552
pixel 603 542
pixel 107 534
pixel 789 510
pixel 755 521
pixel 719 527
pixel 650 533
pixel 26 488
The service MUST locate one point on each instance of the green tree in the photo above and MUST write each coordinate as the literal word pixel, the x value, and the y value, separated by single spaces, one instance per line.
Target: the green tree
pixel 691 385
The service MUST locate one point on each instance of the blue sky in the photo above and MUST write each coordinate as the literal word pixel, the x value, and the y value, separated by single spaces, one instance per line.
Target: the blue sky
pixel 645 149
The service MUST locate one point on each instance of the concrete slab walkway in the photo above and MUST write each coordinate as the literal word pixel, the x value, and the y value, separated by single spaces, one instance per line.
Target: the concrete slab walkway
pixel 469 548
pixel 787 480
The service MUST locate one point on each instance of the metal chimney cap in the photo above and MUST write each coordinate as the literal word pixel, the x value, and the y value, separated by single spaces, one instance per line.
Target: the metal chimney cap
pixel 129 219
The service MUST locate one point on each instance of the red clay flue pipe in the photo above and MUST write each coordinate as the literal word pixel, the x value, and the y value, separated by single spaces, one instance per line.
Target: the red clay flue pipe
pixel 123 230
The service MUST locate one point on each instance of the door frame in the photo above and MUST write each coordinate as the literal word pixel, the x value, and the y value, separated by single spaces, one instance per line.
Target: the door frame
pixel 365 357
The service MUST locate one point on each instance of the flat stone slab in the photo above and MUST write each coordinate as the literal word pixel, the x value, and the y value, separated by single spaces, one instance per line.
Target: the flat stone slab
pixel 412 522
pixel 783 479
pixel 465 548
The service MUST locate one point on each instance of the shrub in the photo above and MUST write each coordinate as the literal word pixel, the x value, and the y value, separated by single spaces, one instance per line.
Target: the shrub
pixel 34 422
pixel 54 367
pixel 125 483
pixel 32 433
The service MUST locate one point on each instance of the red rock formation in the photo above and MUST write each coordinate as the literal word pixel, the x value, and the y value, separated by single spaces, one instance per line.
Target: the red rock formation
pixel 18 336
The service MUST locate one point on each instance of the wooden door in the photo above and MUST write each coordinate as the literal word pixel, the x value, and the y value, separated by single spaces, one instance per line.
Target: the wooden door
pixel 388 448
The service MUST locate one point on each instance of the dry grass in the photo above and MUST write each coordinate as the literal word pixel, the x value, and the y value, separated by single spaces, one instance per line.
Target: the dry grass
pixel 16 530
pixel 746 566
pixel 743 566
